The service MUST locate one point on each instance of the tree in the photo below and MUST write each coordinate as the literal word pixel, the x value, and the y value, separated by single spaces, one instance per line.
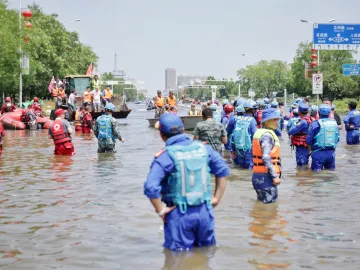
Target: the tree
pixel 52 50
pixel 335 84
pixel 265 77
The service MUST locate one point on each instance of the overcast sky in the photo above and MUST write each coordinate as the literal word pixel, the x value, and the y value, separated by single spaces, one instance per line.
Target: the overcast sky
pixel 193 36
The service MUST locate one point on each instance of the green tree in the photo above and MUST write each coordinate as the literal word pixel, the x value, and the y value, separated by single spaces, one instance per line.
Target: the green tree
pixel 265 77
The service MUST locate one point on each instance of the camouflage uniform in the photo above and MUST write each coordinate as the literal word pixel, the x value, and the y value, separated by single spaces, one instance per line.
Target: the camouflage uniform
pixel 211 131
pixel 107 145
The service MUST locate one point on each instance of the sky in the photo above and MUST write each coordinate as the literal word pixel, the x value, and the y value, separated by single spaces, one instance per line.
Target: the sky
pixel 197 37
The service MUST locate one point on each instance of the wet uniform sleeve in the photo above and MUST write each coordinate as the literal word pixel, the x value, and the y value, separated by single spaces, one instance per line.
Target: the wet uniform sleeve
pixel 298 128
pixel 267 143
pixel 217 164
pixel 159 170
pixel 115 128
pixel 310 135
pixel 346 119
pixel 253 128
pixel 231 126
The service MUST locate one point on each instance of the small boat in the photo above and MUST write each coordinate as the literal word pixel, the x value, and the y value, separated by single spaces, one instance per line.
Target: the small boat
pixel 117 115
pixel 152 121
pixel 191 121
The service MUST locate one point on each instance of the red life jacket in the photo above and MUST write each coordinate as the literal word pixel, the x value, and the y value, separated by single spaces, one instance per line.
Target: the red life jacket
pixel 259 118
pixel 299 139
pixel 85 120
pixel 58 132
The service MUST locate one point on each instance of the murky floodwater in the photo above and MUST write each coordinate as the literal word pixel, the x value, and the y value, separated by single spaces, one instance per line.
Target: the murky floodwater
pixel 89 212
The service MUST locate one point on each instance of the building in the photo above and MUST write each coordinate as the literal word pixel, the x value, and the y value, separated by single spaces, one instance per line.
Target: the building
pixel 185 80
pixel 170 80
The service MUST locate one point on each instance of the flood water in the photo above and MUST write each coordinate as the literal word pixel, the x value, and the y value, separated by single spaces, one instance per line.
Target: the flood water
pixel 89 212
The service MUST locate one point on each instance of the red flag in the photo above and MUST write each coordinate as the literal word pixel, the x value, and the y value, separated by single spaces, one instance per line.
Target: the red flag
pixel 89 71
pixel 51 85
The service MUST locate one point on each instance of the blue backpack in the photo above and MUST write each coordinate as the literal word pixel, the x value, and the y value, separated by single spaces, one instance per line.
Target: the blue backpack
pixel 293 122
pixel 190 183
pixel 241 136
pixel 328 135
pixel 217 116
pixel 104 127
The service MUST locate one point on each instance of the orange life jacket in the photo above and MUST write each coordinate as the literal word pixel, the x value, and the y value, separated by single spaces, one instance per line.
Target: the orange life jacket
pixel 58 132
pixel 55 92
pixel 107 94
pixel 259 166
pixel 62 93
pixel 159 102
pixel 171 101
pixel 300 138
pixel 87 96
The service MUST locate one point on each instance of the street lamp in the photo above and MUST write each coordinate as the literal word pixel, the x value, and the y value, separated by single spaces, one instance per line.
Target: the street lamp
pixel 306 21
pixel 77 20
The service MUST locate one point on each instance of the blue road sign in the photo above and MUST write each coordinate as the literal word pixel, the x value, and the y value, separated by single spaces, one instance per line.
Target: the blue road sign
pixel 351 69
pixel 336 36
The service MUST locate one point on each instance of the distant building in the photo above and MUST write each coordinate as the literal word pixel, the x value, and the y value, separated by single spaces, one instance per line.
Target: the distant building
pixel 170 80
pixel 185 80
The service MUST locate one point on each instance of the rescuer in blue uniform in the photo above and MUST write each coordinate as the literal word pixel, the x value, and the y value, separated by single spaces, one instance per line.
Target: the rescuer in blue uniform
pixel 322 138
pixel 293 120
pixel 180 177
pixel 242 129
pixel 298 135
pixel 352 124
pixel 275 105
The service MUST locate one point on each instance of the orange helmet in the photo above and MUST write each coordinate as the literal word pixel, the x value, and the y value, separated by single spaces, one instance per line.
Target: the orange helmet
pixel 229 108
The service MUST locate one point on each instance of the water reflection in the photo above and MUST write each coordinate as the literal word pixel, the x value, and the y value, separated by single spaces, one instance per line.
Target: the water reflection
pixel 195 259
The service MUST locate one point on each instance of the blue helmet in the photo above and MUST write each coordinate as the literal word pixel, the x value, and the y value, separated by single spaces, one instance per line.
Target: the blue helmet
pixel 324 109
pixel 303 108
pixel 266 100
pixel 240 109
pixel 110 107
pixel 225 101
pixel 314 108
pixel 333 107
pixel 253 103
pixel 296 111
pixel 171 124
pixel 274 104
pixel 214 107
pixel 248 104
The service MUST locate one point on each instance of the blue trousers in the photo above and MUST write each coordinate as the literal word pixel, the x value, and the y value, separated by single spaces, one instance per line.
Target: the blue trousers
pixel 194 228
pixel 243 158
pixel 352 137
pixel 302 155
pixel 265 189
pixel 323 159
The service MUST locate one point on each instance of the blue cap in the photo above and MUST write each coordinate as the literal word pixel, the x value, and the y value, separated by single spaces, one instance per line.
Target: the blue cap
pixel 274 104
pixel 324 109
pixel 269 114
pixel 110 107
pixel 214 107
pixel 171 124
pixel 240 109
pixel 303 108
pixel 266 100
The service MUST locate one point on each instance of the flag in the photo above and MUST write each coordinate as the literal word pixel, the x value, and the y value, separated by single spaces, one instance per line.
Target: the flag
pixel 51 85
pixel 89 71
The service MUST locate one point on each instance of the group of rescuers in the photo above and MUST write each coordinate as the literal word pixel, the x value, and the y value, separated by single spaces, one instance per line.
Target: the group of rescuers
pixel 179 183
